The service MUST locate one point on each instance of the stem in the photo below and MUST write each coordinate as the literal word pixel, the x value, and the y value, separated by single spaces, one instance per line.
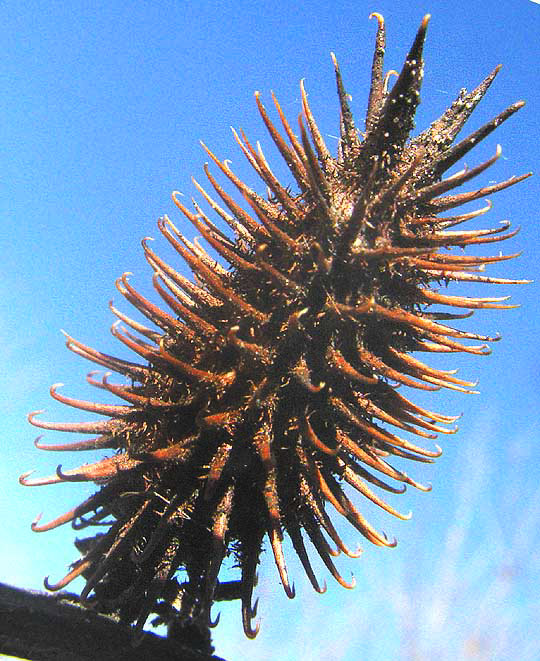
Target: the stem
pixel 41 627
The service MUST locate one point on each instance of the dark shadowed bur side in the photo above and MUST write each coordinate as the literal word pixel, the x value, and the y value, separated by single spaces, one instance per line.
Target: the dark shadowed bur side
pixel 266 386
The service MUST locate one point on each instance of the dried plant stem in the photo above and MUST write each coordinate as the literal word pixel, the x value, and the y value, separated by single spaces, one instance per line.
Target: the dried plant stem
pixel 44 628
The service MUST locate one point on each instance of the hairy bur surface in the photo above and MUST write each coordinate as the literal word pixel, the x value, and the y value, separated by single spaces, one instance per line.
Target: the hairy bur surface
pixel 265 387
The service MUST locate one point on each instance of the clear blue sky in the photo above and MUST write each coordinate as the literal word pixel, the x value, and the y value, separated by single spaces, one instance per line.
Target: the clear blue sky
pixel 104 105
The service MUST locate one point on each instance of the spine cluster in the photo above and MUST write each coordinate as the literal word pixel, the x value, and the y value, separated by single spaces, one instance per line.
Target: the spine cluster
pixel 266 385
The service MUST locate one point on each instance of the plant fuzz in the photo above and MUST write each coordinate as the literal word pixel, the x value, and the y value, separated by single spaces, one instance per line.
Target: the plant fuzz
pixel 268 386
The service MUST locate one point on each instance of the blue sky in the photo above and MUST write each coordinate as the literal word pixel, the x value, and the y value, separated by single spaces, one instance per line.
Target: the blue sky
pixel 106 103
